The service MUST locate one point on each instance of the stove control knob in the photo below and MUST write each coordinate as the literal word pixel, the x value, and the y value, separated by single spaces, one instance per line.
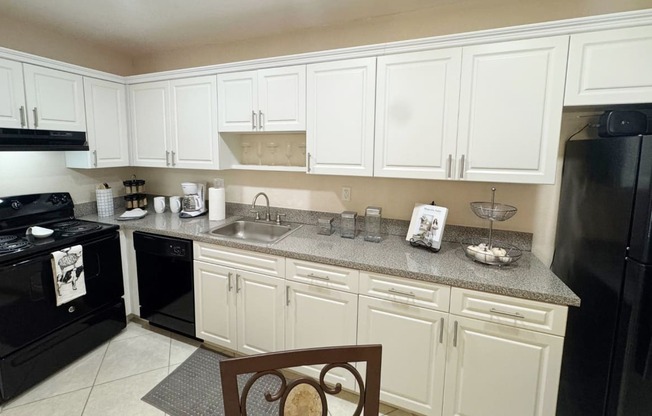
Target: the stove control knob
pixel 64 198
pixel 15 204
pixel 54 199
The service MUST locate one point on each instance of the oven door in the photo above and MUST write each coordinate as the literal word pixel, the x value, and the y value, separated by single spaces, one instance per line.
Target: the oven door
pixel 28 308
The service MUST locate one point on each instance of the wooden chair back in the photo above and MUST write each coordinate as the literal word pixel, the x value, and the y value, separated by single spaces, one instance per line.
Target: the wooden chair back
pixel 270 364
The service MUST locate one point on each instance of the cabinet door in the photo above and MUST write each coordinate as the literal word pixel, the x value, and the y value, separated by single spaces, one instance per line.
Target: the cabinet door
pixel 510 110
pixel 320 317
pixel 496 370
pixel 237 94
pixel 414 352
pixel 215 304
pixel 106 119
pixel 282 98
pixel 610 67
pixel 150 123
pixel 340 126
pixel 55 99
pixel 417 98
pixel 13 111
pixel 193 117
pixel 261 313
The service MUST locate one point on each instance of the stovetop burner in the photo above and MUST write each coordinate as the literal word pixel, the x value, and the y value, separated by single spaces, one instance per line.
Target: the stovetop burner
pixel 75 227
pixel 7 238
pixel 14 245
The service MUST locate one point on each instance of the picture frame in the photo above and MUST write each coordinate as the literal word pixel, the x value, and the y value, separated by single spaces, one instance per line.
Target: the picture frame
pixel 427 226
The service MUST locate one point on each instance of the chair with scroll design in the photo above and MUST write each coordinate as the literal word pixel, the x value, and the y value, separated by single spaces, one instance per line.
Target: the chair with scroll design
pixel 290 391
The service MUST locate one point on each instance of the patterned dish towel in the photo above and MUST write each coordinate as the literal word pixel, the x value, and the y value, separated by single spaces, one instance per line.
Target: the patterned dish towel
pixel 68 272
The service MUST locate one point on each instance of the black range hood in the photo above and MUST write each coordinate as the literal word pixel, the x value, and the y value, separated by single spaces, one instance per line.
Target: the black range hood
pixel 41 140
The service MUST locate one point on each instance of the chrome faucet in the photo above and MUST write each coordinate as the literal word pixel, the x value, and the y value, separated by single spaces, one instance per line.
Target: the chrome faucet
pixel 253 206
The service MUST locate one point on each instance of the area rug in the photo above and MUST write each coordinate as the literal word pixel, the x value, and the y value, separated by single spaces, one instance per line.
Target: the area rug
pixel 195 389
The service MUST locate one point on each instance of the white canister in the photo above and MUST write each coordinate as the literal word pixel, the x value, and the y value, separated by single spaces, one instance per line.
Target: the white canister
pixel 175 204
pixel 104 198
pixel 159 204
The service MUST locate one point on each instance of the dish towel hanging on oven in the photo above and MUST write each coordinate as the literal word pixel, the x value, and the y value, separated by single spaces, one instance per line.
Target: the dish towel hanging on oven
pixel 68 272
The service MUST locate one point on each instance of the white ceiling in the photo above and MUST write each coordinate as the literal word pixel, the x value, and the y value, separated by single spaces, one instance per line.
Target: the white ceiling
pixel 138 26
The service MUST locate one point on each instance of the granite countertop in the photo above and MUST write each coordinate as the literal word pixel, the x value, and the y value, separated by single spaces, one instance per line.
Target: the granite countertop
pixel 529 278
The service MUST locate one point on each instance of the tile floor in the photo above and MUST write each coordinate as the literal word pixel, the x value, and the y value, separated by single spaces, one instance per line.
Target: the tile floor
pixel 111 379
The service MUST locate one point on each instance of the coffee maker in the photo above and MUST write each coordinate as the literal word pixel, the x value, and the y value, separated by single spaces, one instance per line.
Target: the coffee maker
pixel 192 203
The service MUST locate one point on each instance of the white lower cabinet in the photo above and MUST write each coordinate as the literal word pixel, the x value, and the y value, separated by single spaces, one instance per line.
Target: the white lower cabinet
pixel 414 352
pixel 239 310
pixel 500 370
pixel 319 317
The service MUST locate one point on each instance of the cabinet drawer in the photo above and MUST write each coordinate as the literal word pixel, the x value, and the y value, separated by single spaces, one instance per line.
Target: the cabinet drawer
pixel 240 259
pixel 413 292
pixel 333 277
pixel 522 313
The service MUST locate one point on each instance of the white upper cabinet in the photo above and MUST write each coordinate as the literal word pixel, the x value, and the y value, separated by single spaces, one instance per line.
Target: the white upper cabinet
pixel 150 123
pixel 193 120
pixel 340 129
pixel 12 95
pixel 174 123
pixel 106 119
pixel 417 98
pixel 610 67
pixel 264 100
pixel 510 110
pixel 55 99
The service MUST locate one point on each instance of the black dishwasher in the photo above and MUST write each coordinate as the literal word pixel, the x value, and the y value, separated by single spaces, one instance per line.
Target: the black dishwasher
pixel 165 282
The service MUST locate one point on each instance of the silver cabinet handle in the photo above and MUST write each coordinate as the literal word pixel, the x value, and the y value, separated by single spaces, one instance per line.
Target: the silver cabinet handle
pixel 230 283
pixel 260 120
pixel 441 330
pixel 35 111
pixel 319 277
pixel 22 116
pixel 450 166
pixel 455 334
pixel 510 314
pixel 253 120
pixel 167 158
pixel 172 153
pixel 237 283
pixel 462 167
pixel 287 295
pixel 398 292
pixel 308 162
pixel 95 158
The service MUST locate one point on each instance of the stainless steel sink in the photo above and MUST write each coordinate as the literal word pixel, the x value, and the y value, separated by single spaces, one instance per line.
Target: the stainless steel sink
pixel 258 232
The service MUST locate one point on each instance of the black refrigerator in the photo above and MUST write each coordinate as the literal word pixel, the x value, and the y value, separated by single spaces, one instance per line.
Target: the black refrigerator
pixel 603 252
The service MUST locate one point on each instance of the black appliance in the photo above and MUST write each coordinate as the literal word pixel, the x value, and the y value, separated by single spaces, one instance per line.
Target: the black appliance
pixel 40 140
pixel 37 338
pixel 603 252
pixel 165 282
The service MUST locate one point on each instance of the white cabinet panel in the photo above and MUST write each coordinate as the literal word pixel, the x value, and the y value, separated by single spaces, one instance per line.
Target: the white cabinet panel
pixel 240 259
pixel 282 99
pixel 261 313
pixel 193 104
pixel 12 95
pixel 510 110
pixel 332 277
pixel 340 127
pixel 610 67
pixel 150 123
pixel 107 133
pixel 320 317
pixel 55 99
pixel 398 289
pixel 414 352
pixel 237 93
pixel 496 370
pixel 215 304
pixel 417 98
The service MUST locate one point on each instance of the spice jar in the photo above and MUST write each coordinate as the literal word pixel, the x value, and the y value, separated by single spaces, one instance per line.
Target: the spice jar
pixel 131 202
pixel 129 186
pixel 348 224
pixel 141 201
pixel 139 185
pixel 372 221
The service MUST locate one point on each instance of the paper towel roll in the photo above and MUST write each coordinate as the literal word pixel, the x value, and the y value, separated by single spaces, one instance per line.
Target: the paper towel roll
pixel 216 204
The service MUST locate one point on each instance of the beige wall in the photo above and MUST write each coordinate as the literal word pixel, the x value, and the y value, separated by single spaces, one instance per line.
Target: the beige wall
pixel 38 41
pixel 447 18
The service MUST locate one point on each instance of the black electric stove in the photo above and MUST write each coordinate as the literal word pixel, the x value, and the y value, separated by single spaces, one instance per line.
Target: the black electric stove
pixel 37 338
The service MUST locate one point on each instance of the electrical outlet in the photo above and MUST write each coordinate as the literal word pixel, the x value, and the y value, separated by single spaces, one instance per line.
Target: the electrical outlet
pixel 346 193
